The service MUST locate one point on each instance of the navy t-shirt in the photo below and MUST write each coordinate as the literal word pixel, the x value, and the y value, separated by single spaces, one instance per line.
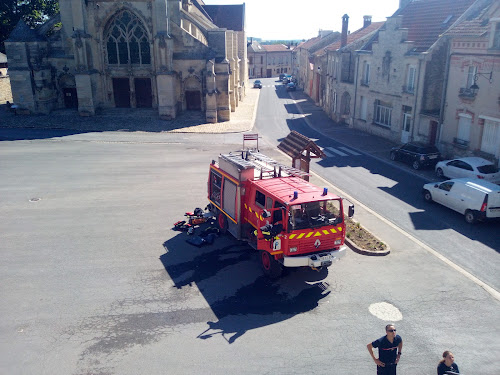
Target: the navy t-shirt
pixel 387 351
pixel 443 369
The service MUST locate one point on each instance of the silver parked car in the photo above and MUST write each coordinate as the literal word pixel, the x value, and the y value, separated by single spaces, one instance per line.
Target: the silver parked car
pixel 469 167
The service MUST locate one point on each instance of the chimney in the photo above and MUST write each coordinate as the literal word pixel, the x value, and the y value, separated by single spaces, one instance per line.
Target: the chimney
pixel 345 24
pixel 367 21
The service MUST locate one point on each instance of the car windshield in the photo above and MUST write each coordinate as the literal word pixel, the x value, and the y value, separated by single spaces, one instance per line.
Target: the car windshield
pixel 487 169
pixel 315 214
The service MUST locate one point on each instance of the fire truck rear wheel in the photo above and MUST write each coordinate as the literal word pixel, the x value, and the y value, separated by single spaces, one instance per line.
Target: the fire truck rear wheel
pixel 272 268
pixel 222 222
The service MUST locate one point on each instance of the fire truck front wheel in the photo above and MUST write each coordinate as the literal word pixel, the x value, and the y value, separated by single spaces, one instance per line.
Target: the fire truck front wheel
pixel 272 268
pixel 222 222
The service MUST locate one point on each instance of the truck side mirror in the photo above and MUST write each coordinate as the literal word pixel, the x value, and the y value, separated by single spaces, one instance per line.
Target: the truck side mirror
pixel 266 214
pixel 351 210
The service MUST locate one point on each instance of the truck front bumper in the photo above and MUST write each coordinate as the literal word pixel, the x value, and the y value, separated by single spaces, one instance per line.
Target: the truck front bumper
pixel 323 259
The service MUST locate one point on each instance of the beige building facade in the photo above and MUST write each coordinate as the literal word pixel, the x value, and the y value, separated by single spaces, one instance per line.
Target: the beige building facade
pixel 471 123
pixel 170 55
pixel 268 60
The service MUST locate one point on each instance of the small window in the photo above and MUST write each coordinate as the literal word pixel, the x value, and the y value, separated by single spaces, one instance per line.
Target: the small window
pixel 462 165
pixel 410 148
pixel 496 37
pixel 278 214
pixel 428 150
pixel 487 169
pixel 446 186
pixel 269 203
pixel 410 79
pixel 260 199
pixel 471 73
pixel 215 187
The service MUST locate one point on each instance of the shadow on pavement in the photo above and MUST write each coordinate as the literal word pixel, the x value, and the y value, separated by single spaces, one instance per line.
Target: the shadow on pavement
pixel 112 119
pixel 408 186
pixel 241 300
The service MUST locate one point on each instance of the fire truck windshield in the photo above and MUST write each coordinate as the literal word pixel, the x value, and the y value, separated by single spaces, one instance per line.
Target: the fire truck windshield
pixel 315 214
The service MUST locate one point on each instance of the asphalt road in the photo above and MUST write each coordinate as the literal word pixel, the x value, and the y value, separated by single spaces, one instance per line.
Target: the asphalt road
pixel 391 189
pixel 94 281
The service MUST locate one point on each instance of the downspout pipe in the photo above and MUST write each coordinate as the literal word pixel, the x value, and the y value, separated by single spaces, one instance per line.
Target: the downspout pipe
pixel 355 89
pixel 416 97
pixel 443 94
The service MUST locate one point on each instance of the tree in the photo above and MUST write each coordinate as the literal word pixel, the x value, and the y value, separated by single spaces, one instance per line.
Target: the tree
pixel 33 12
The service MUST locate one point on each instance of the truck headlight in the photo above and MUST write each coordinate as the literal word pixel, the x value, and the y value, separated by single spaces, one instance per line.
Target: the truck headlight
pixel 338 242
pixel 293 249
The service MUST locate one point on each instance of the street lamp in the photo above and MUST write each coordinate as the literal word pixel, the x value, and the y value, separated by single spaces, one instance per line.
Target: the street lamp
pixel 489 76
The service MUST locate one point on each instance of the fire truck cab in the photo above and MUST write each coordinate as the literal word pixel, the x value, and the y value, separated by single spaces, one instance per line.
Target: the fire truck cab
pixel 291 222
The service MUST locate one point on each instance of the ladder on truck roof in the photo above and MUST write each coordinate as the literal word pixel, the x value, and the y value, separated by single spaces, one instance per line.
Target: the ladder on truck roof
pixel 266 166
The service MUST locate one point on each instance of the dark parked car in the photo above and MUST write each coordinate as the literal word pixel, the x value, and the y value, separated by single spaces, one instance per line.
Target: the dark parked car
pixel 257 84
pixel 416 154
pixel 291 86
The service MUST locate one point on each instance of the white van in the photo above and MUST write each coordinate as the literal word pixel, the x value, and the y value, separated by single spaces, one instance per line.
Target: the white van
pixel 476 199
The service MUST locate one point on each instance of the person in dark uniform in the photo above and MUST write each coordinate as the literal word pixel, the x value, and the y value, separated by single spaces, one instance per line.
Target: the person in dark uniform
pixel 389 351
pixel 447 366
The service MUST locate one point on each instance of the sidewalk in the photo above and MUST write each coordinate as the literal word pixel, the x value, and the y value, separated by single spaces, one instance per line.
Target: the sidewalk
pixel 132 119
pixel 363 142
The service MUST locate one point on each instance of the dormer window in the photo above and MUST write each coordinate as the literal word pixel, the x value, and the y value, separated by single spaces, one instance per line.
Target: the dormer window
pixel 445 22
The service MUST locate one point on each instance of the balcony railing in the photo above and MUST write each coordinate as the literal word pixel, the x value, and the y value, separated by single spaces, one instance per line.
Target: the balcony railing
pixel 460 143
pixel 467 93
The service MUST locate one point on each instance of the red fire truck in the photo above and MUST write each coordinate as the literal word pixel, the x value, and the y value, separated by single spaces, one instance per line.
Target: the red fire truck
pixel 291 222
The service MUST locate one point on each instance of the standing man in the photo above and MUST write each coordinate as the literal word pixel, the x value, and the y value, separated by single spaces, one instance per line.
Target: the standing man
pixel 389 351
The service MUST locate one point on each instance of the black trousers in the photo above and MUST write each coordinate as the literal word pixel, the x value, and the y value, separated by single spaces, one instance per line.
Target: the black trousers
pixel 389 369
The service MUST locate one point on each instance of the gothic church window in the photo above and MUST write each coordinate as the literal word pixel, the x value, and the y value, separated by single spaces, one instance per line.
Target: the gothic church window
pixel 127 40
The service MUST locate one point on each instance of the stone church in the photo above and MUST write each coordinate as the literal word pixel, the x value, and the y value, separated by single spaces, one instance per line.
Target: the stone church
pixel 170 55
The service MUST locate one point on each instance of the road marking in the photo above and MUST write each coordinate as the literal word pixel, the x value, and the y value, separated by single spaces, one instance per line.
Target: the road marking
pixel 336 151
pixel 385 311
pixel 350 151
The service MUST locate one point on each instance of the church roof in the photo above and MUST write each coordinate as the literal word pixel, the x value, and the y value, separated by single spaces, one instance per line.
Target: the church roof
pixel 23 33
pixel 231 17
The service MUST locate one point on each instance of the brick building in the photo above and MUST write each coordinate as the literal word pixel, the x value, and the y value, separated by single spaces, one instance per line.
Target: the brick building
pixel 471 115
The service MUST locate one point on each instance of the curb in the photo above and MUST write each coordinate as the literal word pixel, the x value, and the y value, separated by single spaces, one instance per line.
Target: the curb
pixel 361 251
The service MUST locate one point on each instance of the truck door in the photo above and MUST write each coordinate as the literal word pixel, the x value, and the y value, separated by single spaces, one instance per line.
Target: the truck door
pixel 255 206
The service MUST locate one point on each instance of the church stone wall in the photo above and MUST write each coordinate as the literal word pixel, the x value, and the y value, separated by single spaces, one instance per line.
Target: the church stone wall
pixel 78 61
